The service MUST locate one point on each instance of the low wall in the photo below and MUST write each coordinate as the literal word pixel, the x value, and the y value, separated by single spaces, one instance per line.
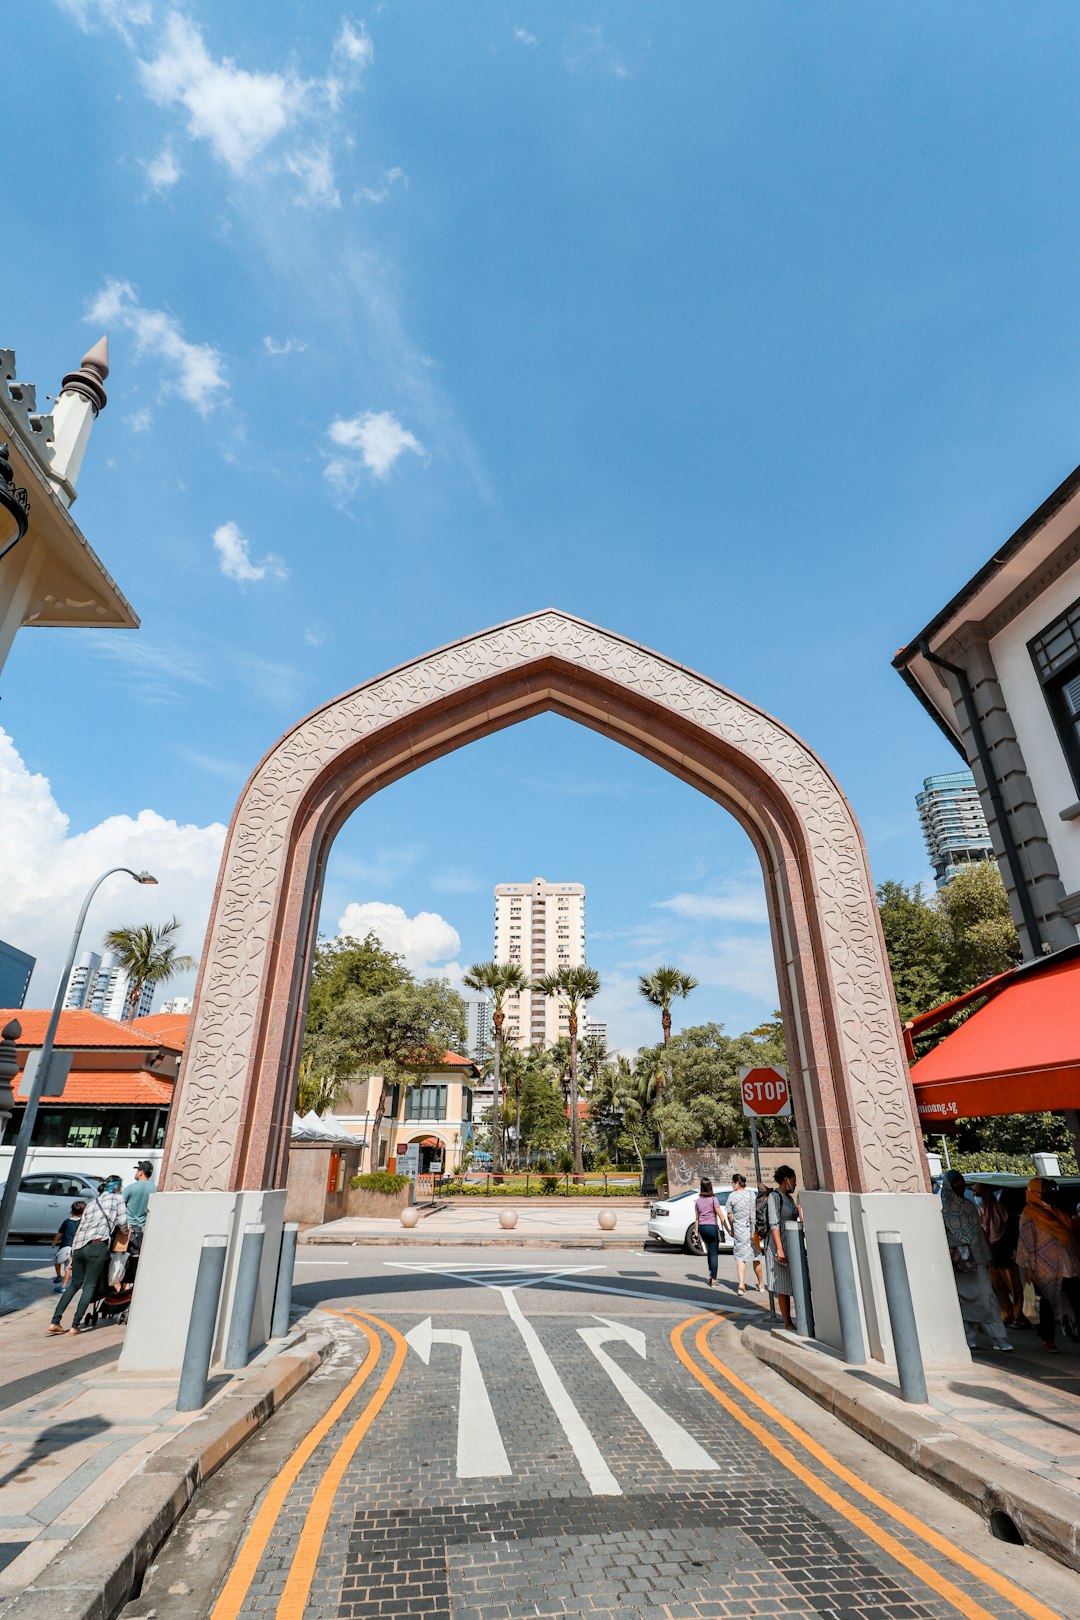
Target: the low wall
pixel 377 1206
pixel 686 1166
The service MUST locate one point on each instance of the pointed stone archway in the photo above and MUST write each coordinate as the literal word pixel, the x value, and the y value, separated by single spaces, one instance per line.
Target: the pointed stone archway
pixel 857 1124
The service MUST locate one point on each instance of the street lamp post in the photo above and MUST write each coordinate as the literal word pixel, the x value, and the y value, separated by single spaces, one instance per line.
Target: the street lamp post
pixel 22 1143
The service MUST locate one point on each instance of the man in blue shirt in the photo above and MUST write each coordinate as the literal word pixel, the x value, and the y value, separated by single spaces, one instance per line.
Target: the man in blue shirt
pixel 137 1196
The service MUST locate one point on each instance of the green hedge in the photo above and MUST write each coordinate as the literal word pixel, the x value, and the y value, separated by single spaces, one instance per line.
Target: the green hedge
pixel 380 1181
pixel 516 1189
pixel 1016 1164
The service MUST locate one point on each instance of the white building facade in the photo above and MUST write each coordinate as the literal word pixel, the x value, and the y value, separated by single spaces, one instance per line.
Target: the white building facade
pixel 100 985
pixel 541 927
pixel 999 670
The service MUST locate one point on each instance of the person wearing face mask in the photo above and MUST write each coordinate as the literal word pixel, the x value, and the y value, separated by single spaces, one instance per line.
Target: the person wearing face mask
pixel 970 1255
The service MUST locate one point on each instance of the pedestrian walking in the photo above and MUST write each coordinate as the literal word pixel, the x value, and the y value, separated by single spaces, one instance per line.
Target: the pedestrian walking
pixel 102 1217
pixel 740 1214
pixel 1002 1230
pixel 708 1222
pixel 137 1195
pixel 1047 1255
pixel 62 1244
pixel 782 1208
pixel 970 1255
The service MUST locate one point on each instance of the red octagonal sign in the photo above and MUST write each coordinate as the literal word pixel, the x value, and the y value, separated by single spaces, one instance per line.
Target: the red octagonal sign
pixel 765 1093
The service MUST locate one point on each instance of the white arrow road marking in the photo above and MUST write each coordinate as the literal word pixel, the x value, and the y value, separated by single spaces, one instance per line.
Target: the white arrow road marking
pixel 678 1449
pixel 601 1480
pixel 480 1452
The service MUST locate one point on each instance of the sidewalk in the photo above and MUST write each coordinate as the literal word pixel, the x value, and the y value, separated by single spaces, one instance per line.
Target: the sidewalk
pixel 79 1438
pixel 1001 1434
pixel 540 1224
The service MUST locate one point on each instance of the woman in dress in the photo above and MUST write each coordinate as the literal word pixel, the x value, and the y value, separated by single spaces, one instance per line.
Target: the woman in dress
pixel 740 1214
pixel 1047 1257
pixel 708 1219
pixel 782 1208
pixel 970 1254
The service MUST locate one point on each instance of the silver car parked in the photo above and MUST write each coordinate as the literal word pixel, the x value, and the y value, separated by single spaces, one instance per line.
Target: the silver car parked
pixel 45 1199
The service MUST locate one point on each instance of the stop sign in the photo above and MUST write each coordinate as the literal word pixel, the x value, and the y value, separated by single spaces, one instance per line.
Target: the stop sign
pixel 765 1093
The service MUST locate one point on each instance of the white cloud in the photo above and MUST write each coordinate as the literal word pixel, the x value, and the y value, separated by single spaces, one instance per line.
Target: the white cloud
pixel 523 35
pixel 46 870
pixel 314 168
pixel 139 421
pixel 162 171
pixel 427 941
pixel 195 371
pixel 391 178
pixel 456 880
pixel 739 905
pixel 373 440
pixel 120 14
pixel 353 45
pixel 279 346
pixel 235 561
pixel 239 113
pixel 589 52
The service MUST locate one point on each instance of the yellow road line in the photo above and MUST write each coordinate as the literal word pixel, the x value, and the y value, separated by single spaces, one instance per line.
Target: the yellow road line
pixel 302 1570
pixel 242 1574
pixel 939 1583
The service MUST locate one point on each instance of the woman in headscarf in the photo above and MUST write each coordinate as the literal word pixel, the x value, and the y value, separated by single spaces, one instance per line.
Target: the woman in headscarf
pixel 1047 1257
pixel 970 1255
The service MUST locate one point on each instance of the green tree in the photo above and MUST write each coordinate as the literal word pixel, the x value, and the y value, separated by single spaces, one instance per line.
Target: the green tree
pixel 576 986
pixel 916 947
pixel 543 1112
pixel 398 1035
pixel 497 980
pixel 318 1091
pixel 981 937
pixel 148 955
pixel 660 988
pixel 347 966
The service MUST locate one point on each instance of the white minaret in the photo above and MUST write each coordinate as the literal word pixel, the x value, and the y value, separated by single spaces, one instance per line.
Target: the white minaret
pixel 82 396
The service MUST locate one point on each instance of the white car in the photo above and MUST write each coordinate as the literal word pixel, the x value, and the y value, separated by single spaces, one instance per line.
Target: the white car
pixel 671 1221
pixel 44 1201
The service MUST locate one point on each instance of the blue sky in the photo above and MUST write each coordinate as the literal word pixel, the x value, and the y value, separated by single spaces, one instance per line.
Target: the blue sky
pixel 745 331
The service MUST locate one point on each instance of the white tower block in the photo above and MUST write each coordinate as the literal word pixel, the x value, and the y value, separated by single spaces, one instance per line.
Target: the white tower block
pixel 82 396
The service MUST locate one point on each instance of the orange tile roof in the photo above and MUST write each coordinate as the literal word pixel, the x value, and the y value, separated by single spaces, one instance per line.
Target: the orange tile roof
pixel 77 1029
pixel 108 1088
pixel 167 1029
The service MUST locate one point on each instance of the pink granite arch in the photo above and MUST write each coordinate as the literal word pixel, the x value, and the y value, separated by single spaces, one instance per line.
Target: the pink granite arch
pixel 854 1105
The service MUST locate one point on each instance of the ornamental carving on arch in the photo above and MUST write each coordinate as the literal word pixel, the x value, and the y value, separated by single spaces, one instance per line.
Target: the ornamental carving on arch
pixel 232 984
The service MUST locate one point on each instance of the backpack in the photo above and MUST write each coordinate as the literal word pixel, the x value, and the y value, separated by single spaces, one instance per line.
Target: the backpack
pixel 761 1216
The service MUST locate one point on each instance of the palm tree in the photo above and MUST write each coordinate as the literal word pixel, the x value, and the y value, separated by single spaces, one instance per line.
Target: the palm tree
pixel 148 955
pixel 660 987
pixel 497 980
pixel 576 986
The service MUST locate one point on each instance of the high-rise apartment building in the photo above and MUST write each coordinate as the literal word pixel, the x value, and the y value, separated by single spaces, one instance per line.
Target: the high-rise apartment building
pixel 83 977
pixel 15 969
pixel 541 927
pixel 596 1031
pixel 177 1004
pixel 101 985
pixel 953 824
pixel 478 1026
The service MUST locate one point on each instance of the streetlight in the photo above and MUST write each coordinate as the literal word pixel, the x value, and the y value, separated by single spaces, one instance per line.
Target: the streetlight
pixel 13 503
pixel 18 1157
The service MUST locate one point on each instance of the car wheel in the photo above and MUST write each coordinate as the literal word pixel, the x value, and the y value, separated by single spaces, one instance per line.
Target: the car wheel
pixel 692 1244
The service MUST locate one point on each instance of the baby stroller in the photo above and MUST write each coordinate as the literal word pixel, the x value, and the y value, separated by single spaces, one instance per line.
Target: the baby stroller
pixel 113 1297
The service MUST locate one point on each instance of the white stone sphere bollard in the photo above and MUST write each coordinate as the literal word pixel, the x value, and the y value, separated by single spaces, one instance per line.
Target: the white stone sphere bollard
pixel 607 1219
pixel 508 1219
pixel 409 1216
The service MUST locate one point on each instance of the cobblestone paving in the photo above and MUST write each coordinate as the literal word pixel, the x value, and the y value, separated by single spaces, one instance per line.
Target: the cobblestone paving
pixel 407 1537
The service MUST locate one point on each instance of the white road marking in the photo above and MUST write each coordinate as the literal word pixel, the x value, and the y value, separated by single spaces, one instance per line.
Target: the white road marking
pixel 323 1263
pixel 601 1480
pixel 639 1293
pixel 678 1449
pixel 480 1451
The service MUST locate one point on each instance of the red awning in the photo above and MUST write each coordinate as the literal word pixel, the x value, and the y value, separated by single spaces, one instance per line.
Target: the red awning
pixel 1019 1054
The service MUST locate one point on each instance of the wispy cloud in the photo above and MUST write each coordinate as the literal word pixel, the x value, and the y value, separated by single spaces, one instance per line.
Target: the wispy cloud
pixel 228 770
pixel 268 680
pixel 163 171
pixel 589 52
pixel 194 371
pixel 280 346
pixel 123 15
pixel 391 178
pixel 140 421
pixel 161 667
pixel 369 442
pixel 456 880
pixel 737 905
pixel 382 870
pixel 314 168
pixel 236 562
pixel 523 36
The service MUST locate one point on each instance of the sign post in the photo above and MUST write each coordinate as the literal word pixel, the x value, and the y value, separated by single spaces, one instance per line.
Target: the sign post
pixel 765 1095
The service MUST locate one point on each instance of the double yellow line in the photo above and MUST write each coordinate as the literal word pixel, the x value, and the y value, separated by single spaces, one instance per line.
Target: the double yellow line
pixel 960 1600
pixel 294 1598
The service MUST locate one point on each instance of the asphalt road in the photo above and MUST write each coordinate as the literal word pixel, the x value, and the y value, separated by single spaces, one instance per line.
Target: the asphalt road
pixel 548 1433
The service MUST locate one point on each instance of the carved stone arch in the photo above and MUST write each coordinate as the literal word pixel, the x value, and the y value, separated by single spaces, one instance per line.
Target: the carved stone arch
pixel 854 1106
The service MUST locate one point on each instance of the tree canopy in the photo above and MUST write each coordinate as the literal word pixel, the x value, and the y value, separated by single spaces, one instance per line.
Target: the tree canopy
pixel 347 966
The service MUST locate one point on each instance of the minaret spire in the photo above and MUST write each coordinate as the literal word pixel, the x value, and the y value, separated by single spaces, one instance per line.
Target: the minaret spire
pixel 82 396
